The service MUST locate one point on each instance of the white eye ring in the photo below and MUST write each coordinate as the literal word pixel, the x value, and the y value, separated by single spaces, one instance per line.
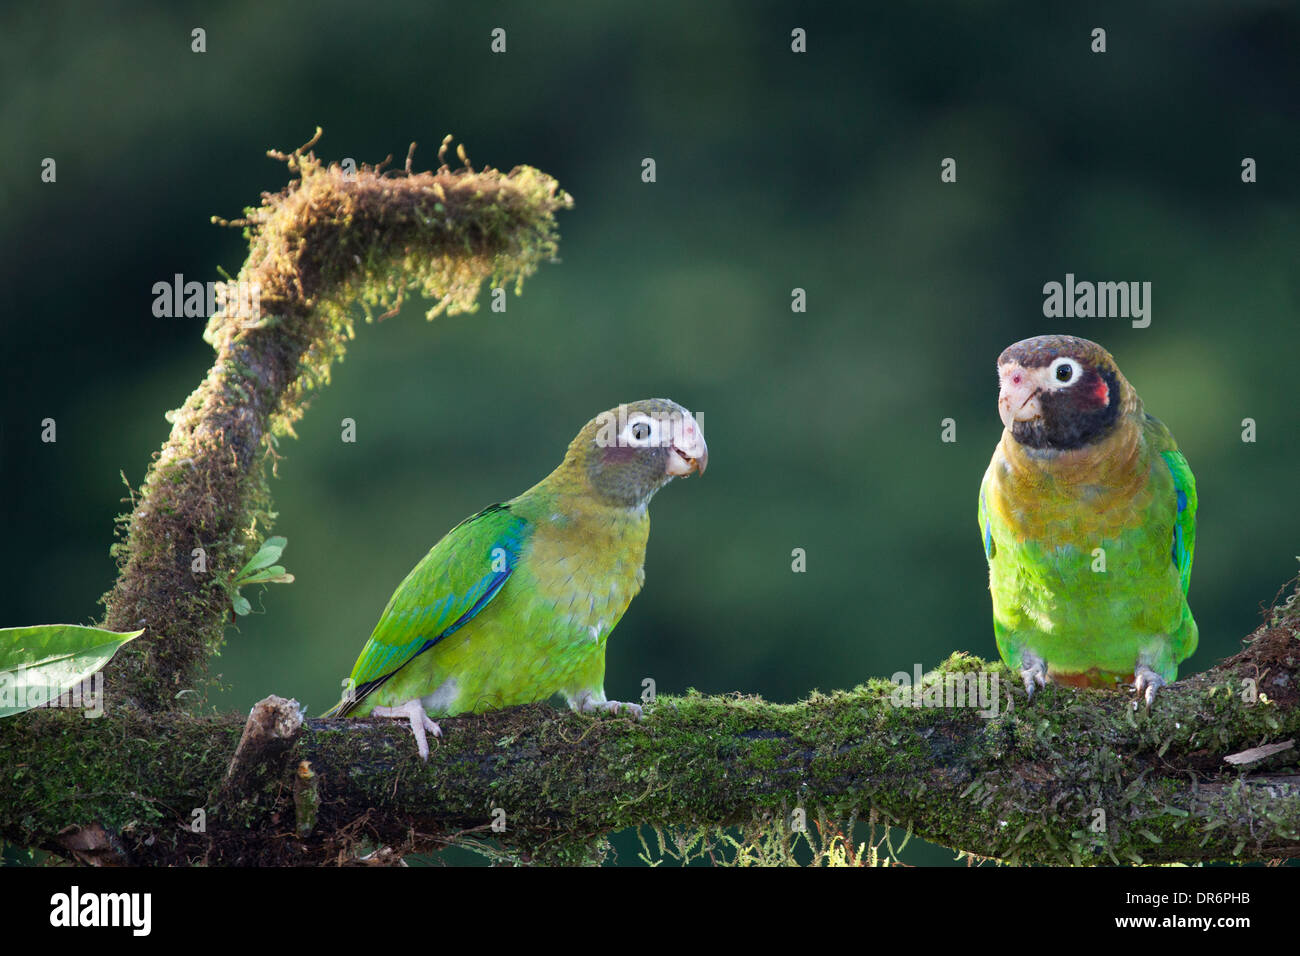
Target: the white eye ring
pixel 1053 371
pixel 641 431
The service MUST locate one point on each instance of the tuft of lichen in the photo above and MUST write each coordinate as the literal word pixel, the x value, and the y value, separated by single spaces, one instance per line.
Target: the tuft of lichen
pixel 331 239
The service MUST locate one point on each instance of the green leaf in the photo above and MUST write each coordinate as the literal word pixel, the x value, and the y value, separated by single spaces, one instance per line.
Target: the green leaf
pixel 37 664
pixel 272 575
pixel 242 607
pixel 268 555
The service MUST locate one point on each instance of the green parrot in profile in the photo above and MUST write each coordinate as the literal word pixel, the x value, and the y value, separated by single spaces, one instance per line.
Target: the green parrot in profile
pixel 515 603
pixel 1088 515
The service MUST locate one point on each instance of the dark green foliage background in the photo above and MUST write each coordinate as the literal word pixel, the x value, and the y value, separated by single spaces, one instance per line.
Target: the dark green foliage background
pixel 775 170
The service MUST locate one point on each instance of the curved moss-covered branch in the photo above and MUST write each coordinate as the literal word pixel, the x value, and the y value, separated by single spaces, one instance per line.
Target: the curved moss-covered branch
pixel 331 239
pixel 1073 777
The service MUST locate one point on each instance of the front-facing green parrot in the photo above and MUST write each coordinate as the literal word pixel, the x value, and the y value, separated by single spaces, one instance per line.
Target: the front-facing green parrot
pixel 1088 515
pixel 515 604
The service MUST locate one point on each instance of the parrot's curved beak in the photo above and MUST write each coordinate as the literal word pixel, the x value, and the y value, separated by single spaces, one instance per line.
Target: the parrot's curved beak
pixel 688 451
pixel 1018 396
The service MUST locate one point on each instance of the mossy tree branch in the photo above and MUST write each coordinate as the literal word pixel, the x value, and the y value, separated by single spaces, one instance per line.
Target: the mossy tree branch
pixel 330 239
pixel 1071 777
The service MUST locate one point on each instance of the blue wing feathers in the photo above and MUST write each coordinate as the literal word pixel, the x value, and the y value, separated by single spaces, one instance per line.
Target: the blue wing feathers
pixel 493 586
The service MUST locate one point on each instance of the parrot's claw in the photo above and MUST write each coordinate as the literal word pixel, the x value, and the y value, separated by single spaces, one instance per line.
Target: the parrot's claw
pixel 1146 682
pixel 588 704
pixel 620 706
pixel 1033 673
pixel 413 711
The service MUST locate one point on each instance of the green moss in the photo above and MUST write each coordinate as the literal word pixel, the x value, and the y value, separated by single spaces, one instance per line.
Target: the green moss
pixel 717 777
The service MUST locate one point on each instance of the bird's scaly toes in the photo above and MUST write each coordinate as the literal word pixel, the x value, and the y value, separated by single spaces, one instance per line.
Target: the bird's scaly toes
pixel 1034 672
pixel 1146 682
pixel 590 706
pixel 413 712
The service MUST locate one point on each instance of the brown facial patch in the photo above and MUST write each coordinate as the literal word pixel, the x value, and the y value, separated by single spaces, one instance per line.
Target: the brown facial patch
pixel 1074 416
pixel 1100 392
pixel 628 474
pixel 618 454
pixel 1089 394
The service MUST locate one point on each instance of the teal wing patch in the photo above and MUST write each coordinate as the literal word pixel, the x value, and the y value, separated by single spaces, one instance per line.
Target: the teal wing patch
pixel 459 577
pixel 986 530
pixel 1184 543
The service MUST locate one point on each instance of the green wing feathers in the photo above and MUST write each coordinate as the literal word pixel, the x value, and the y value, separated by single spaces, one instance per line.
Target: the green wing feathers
pixel 459 576
pixel 1183 546
pixel 1185 523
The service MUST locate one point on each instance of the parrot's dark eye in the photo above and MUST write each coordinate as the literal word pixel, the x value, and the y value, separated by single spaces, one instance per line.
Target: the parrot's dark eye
pixel 1064 371
pixel 641 431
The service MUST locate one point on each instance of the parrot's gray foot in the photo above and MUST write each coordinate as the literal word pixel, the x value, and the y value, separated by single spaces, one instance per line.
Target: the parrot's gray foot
pixel 615 707
pixel 593 704
pixel 1033 672
pixel 413 711
pixel 1146 682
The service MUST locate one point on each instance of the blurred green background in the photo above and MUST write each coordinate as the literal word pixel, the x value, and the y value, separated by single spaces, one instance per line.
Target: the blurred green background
pixel 775 171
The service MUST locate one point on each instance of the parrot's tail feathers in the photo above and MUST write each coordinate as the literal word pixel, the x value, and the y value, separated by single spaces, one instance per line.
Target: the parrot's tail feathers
pixel 338 710
pixel 356 696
